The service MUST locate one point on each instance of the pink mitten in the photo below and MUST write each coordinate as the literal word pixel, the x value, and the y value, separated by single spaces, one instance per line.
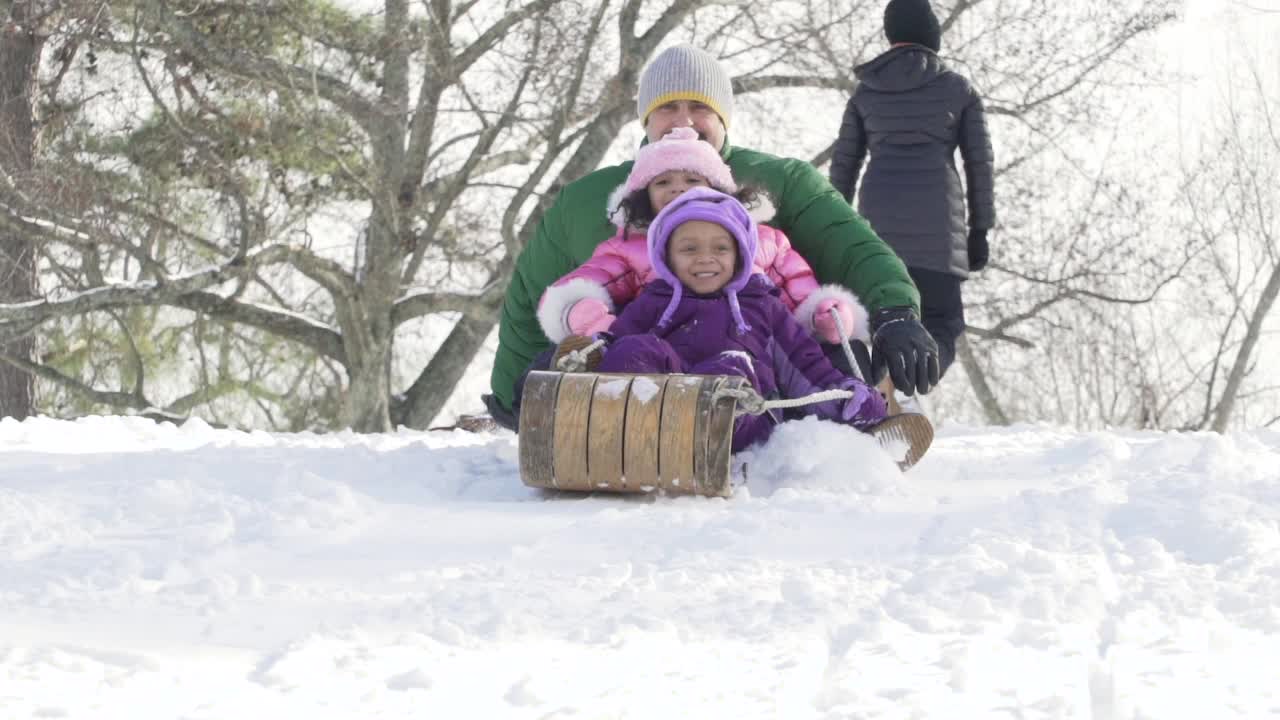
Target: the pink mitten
pixel 589 316
pixel 826 325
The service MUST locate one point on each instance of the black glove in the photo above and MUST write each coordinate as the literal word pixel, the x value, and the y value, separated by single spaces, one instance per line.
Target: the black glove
pixel 979 251
pixel 903 345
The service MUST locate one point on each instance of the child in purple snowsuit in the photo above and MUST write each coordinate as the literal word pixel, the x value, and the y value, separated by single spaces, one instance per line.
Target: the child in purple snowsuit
pixel 709 313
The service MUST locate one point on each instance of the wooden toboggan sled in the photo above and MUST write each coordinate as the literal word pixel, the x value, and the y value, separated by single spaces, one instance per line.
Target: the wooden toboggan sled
pixel 588 431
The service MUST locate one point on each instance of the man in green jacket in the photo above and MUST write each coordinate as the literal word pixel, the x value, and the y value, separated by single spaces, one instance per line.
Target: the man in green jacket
pixel 686 87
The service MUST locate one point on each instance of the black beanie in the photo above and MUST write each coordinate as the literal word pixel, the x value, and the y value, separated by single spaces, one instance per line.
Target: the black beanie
pixel 912 21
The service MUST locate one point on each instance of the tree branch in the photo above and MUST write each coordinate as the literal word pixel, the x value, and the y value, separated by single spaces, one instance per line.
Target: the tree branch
pixel 430 303
pixel 101 397
pixel 757 83
pixel 274 73
pixel 291 326
pixel 142 293
pixel 989 334
pixel 496 32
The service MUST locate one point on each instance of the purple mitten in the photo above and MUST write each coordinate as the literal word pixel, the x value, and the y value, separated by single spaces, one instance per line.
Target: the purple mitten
pixel 865 407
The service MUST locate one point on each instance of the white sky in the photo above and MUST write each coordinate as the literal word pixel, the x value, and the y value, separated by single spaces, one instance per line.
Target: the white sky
pixel 1217 41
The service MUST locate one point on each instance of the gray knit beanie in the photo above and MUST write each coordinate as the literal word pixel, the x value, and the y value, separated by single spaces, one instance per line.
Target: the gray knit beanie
pixel 685 72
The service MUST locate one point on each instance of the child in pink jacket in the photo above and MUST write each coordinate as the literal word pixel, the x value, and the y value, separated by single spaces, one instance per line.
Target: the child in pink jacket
pixel 586 300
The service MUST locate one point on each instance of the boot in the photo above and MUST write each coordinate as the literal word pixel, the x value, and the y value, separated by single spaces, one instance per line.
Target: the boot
pixel 906 437
pixel 475 423
pixel 572 344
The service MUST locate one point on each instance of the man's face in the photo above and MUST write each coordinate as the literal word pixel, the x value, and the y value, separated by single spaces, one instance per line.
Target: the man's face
pixel 686 113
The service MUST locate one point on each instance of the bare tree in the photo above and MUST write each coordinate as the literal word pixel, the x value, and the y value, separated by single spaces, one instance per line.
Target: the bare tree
pixel 1071 254
pixel 444 127
pixel 223 195
pixel 1232 200
pixel 1161 322
pixel 1055 78
pixel 21 45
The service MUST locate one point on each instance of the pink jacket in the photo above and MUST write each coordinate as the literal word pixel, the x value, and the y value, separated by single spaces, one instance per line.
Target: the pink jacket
pixel 619 268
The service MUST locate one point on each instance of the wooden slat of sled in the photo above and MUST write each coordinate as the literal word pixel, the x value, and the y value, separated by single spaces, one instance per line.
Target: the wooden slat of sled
pixel 719 439
pixel 679 417
pixel 572 425
pixel 607 428
pixel 701 419
pixel 644 424
pixel 537 428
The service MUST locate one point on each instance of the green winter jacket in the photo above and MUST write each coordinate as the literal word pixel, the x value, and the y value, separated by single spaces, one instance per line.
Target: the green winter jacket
pixel 839 245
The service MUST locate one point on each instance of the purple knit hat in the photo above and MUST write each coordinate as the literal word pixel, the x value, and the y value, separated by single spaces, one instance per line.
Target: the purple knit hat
pixel 701 203
pixel 680 149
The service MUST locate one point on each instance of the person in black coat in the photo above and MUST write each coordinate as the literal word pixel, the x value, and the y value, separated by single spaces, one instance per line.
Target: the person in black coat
pixel 910 113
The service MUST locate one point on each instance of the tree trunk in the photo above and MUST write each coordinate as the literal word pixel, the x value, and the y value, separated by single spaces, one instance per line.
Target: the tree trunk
pixel 367 407
pixel 367 331
pixel 1253 332
pixel 431 390
pixel 19 62
pixel 435 384
pixel 367 337
pixel 978 380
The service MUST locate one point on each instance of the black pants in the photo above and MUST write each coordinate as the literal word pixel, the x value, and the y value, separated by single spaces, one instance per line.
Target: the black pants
pixel 942 314
pixel 510 419
pixel 941 311
pixel 861 354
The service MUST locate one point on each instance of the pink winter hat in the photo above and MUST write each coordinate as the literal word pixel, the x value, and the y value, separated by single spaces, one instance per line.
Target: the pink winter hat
pixel 680 149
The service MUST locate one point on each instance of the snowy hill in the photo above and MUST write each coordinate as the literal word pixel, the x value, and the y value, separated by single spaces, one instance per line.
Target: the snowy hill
pixel 148 571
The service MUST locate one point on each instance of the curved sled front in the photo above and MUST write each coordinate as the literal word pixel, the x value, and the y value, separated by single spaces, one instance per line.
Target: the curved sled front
pixel 627 433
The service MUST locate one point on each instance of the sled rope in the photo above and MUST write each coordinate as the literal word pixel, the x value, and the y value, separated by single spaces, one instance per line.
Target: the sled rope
pixel 844 345
pixel 576 360
pixel 749 401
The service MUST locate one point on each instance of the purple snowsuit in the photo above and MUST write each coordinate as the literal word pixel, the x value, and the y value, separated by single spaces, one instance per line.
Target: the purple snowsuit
pixel 743 329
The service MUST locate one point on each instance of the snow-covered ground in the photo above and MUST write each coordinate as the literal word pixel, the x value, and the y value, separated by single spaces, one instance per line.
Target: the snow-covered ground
pixel 148 571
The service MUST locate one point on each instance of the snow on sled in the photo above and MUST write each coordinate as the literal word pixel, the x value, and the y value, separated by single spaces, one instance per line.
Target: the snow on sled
pixel 590 432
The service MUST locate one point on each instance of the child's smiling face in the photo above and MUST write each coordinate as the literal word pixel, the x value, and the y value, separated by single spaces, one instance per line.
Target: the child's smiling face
pixel 703 255
pixel 670 185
